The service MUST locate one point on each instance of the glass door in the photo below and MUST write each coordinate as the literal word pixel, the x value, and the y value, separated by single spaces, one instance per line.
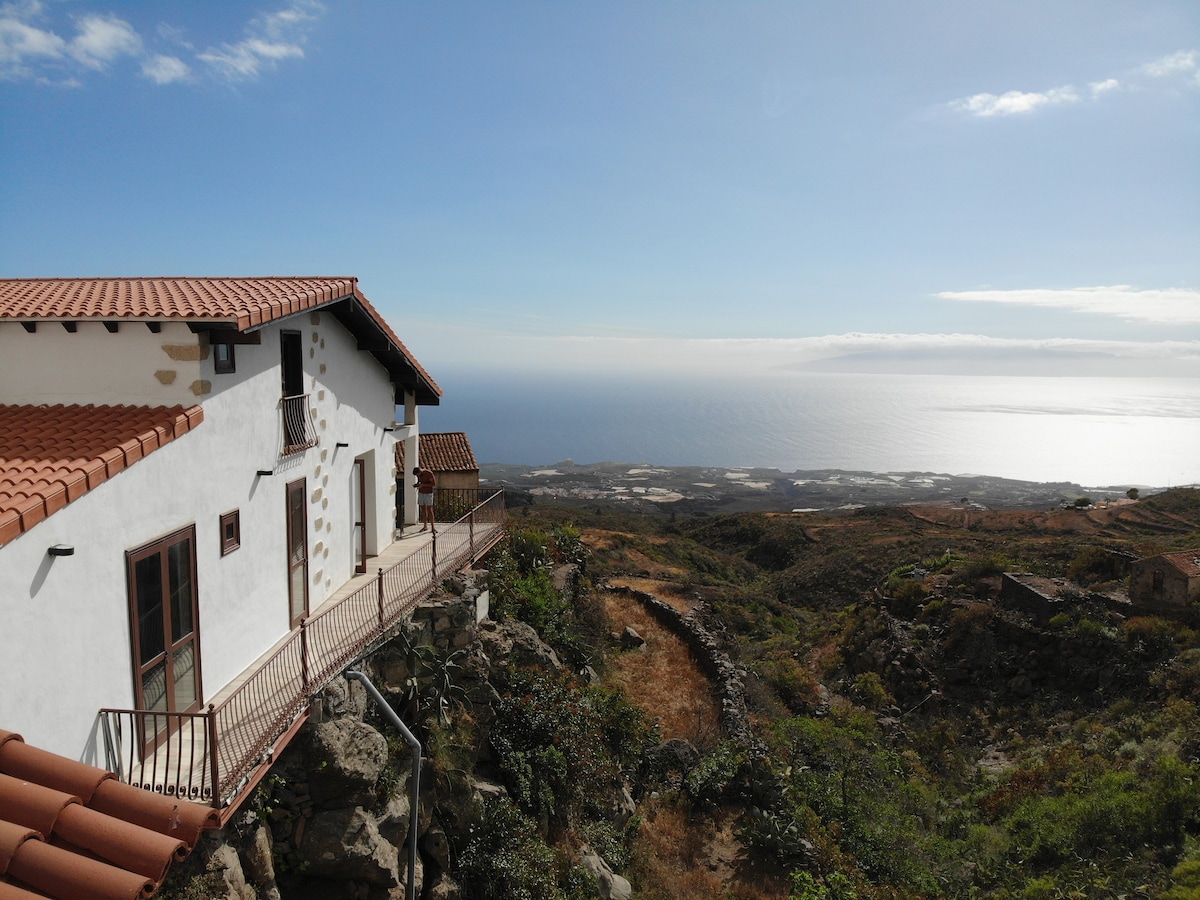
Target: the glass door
pixel 358 516
pixel 297 543
pixel 165 627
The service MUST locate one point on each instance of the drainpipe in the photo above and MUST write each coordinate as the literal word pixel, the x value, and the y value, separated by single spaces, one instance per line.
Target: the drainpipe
pixel 414 784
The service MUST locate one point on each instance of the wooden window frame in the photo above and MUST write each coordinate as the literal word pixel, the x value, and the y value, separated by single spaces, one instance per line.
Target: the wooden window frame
pixel 231 543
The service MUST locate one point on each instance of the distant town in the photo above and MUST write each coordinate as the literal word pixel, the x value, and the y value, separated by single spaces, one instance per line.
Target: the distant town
pixel 707 490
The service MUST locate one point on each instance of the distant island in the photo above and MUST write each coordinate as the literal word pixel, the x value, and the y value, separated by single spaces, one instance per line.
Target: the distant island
pixel 700 490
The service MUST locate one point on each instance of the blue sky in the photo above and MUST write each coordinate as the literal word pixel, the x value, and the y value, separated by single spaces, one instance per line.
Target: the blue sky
pixel 883 186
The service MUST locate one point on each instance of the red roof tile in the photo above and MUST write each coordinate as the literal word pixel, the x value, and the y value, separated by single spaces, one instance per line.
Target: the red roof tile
pixel 53 455
pixel 1186 561
pixel 71 831
pixel 244 302
pixel 444 451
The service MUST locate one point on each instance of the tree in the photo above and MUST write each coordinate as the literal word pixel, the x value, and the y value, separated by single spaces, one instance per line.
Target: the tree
pixel 1132 493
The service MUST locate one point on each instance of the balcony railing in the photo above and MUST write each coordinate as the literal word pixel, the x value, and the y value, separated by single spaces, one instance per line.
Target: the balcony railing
pixel 215 755
pixel 298 433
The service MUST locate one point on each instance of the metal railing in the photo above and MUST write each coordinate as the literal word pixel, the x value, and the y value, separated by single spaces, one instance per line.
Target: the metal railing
pixel 298 432
pixel 214 755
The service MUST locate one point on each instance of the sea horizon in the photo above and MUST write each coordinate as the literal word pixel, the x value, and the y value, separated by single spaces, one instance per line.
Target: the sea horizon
pixel 1085 430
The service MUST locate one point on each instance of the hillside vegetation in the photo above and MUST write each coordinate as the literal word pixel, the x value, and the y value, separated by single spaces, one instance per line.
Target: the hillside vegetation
pixel 920 740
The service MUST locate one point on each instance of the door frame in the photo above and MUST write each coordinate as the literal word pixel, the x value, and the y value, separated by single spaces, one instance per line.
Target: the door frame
pixel 358 536
pixel 170 647
pixel 297 487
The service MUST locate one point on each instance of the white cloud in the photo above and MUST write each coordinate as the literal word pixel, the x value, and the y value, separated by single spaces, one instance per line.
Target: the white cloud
pixel 1183 62
pixel 102 39
pixel 270 38
pixel 1014 102
pixel 32 49
pixel 1177 306
pixel 22 43
pixel 165 69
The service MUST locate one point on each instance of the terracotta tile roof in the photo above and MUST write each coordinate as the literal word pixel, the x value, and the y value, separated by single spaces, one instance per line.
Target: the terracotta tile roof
pixel 52 455
pixel 246 301
pixel 72 831
pixel 1186 561
pixel 243 302
pixel 445 451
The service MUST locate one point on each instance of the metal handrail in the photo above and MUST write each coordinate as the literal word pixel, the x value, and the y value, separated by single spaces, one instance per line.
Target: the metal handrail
pixel 228 742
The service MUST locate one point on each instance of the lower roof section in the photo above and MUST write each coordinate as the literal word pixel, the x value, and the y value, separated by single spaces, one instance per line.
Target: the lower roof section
pixel 53 455
pixel 69 830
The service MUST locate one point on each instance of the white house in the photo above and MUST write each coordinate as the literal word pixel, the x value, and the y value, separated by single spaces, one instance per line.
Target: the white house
pixel 187 467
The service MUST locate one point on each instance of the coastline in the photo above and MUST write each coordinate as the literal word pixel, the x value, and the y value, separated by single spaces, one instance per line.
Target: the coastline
pixel 711 489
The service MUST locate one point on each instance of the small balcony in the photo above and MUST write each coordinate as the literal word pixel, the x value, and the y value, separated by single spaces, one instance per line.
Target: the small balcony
pixel 298 433
pixel 218 755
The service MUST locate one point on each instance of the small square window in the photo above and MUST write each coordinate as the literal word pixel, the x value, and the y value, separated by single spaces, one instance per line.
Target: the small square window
pixel 231 532
pixel 223 361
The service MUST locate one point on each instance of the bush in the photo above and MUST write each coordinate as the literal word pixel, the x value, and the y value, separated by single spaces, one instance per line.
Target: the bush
pixel 560 749
pixel 506 859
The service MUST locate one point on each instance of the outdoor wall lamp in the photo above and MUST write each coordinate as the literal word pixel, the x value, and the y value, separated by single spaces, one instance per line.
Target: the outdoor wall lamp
pixel 266 472
pixel 62 550
pixel 340 444
pixel 389 427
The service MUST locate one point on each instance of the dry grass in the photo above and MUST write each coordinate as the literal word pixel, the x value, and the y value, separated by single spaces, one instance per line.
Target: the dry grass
pixel 676 856
pixel 663 677
pixel 679 857
pixel 666 591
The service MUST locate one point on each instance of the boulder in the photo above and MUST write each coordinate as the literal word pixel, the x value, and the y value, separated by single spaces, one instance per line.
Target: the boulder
pixel 631 640
pixel 258 863
pixel 345 757
pixel 346 844
pixel 514 643
pixel 609 885
pixel 339 698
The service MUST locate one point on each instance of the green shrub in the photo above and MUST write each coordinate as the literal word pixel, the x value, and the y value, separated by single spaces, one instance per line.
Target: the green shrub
pixel 506 859
pixel 710 781
pixel 869 690
pixel 561 749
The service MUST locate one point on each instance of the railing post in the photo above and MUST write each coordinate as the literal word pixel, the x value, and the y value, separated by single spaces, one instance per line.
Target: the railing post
pixel 304 654
pixel 471 533
pixel 213 762
pixel 433 561
pixel 379 592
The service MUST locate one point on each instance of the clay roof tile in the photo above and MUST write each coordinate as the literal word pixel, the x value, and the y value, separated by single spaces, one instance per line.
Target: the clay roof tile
pixel 245 302
pixel 448 451
pixel 53 455
pixel 117 844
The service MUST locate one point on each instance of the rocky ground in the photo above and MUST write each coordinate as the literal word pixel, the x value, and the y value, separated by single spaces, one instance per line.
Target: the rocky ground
pixel 691 490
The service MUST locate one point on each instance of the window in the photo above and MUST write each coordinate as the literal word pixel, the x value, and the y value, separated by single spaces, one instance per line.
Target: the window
pixel 231 532
pixel 223 359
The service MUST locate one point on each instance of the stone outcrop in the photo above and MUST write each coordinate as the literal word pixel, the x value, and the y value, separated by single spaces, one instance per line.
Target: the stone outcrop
pixel 331 820
pixel 609 885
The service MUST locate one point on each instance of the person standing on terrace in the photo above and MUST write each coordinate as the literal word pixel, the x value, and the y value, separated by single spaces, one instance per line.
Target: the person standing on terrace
pixel 426 483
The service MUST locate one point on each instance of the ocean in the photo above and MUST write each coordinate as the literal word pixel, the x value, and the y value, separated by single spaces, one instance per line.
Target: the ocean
pixel 1090 431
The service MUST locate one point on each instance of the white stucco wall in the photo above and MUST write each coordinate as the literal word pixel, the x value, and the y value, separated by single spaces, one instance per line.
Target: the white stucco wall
pixel 133 366
pixel 64 622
